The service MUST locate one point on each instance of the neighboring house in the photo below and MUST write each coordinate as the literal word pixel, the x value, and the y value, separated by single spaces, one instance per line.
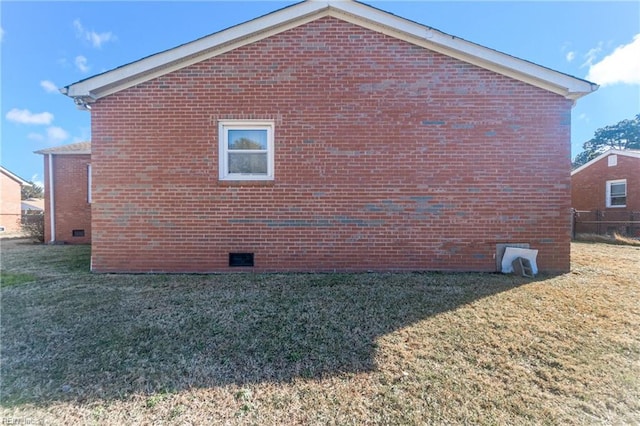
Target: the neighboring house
pixel 605 192
pixel 328 136
pixel 67 189
pixel 10 198
pixel 32 206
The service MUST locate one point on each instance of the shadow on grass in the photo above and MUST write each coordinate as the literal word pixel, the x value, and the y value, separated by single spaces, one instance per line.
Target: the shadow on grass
pixel 85 337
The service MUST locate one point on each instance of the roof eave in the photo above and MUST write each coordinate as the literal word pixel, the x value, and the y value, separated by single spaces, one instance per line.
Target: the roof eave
pixel 46 152
pixel 212 45
pixel 87 91
pixel 78 148
pixel 610 151
pixel 15 177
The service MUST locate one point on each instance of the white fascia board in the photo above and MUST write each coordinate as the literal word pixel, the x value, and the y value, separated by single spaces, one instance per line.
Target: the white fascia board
pixel 612 151
pixel 85 152
pixel 15 177
pixel 53 151
pixel 302 13
pixel 195 51
pixel 536 75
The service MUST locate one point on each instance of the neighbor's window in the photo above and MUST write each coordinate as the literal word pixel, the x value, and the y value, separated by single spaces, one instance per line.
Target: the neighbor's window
pixel 617 193
pixel 246 150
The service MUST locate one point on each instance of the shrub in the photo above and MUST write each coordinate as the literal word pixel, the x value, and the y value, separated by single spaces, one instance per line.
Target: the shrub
pixel 33 226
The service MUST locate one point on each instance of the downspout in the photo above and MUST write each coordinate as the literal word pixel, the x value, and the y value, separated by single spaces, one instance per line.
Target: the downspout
pixel 52 201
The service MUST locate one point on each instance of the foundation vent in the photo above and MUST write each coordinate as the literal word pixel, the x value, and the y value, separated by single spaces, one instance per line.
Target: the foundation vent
pixel 241 259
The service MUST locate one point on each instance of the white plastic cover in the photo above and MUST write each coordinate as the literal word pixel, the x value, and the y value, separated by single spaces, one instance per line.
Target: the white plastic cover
pixel 512 253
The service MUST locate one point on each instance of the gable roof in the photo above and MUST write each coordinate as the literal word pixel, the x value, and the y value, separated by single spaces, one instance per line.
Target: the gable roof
pixel 625 152
pixel 72 148
pixel 88 90
pixel 32 204
pixel 14 177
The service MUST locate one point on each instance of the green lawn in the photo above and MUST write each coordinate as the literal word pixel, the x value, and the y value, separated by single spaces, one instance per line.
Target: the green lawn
pixel 319 348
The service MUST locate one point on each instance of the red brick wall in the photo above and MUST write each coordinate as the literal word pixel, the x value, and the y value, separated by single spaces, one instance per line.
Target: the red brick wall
pixel 588 186
pixel 588 192
pixel 72 210
pixel 9 204
pixel 387 157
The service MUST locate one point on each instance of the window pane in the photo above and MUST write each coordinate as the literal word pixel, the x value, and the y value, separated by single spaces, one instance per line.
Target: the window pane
pixel 254 163
pixel 618 201
pixel 247 139
pixel 618 189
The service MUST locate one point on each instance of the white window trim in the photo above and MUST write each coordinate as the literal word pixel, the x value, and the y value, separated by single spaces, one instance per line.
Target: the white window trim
pixel 608 196
pixel 223 158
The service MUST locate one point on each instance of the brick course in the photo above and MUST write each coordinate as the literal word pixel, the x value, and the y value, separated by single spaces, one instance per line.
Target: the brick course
pixel 388 156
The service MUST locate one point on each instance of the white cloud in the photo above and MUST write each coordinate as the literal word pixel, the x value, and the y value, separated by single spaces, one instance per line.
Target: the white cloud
pixel 85 135
pixel 570 56
pixel 49 86
pixel 53 135
pixel 621 66
pixel 96 39
pixel 36 179
pixel 591 55
pixel 35 137
pixel 81 63
pixel 1 34
pixel 56 134
pixel 24 116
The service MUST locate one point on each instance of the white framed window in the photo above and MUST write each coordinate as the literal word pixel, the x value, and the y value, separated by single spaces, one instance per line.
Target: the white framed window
pixel 617 193
pixel 89 183
pixel 612 160
pixel 246 150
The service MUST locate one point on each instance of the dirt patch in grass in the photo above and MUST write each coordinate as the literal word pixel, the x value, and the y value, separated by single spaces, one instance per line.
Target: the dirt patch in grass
pixel 321 348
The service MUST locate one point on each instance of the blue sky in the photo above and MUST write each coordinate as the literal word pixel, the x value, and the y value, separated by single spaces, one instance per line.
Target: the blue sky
pixel 47 45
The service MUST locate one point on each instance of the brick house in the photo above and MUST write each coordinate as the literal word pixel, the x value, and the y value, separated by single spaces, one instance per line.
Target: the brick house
pixel 67 188
pixel 605 192
pixel 328 136
pixel 10 201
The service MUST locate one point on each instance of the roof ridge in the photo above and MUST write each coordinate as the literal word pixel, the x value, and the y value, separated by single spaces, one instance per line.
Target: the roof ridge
pixel 90 89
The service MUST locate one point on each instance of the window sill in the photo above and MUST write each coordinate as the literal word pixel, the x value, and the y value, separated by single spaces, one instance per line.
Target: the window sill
pixel 252 183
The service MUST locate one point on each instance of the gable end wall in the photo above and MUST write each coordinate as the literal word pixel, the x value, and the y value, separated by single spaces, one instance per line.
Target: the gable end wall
pixel 387 157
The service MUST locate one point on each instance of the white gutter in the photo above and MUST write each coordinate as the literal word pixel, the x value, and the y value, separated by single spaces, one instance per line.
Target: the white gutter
pixel 52 201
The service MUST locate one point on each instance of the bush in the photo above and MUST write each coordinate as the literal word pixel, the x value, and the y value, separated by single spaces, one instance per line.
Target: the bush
pixel 33 226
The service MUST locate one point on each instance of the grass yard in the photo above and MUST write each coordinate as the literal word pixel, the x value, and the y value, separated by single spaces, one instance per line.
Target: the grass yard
pixel 322 349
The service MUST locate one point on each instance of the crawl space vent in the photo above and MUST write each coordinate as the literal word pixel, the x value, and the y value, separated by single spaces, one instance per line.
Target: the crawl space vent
pixel 240 259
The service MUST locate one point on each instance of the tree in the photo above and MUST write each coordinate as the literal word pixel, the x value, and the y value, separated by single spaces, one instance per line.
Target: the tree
pixel 33 191
pixel 622 135
pixel 245 143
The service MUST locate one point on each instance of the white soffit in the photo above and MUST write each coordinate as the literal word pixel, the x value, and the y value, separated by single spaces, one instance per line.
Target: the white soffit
pixel 299 14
